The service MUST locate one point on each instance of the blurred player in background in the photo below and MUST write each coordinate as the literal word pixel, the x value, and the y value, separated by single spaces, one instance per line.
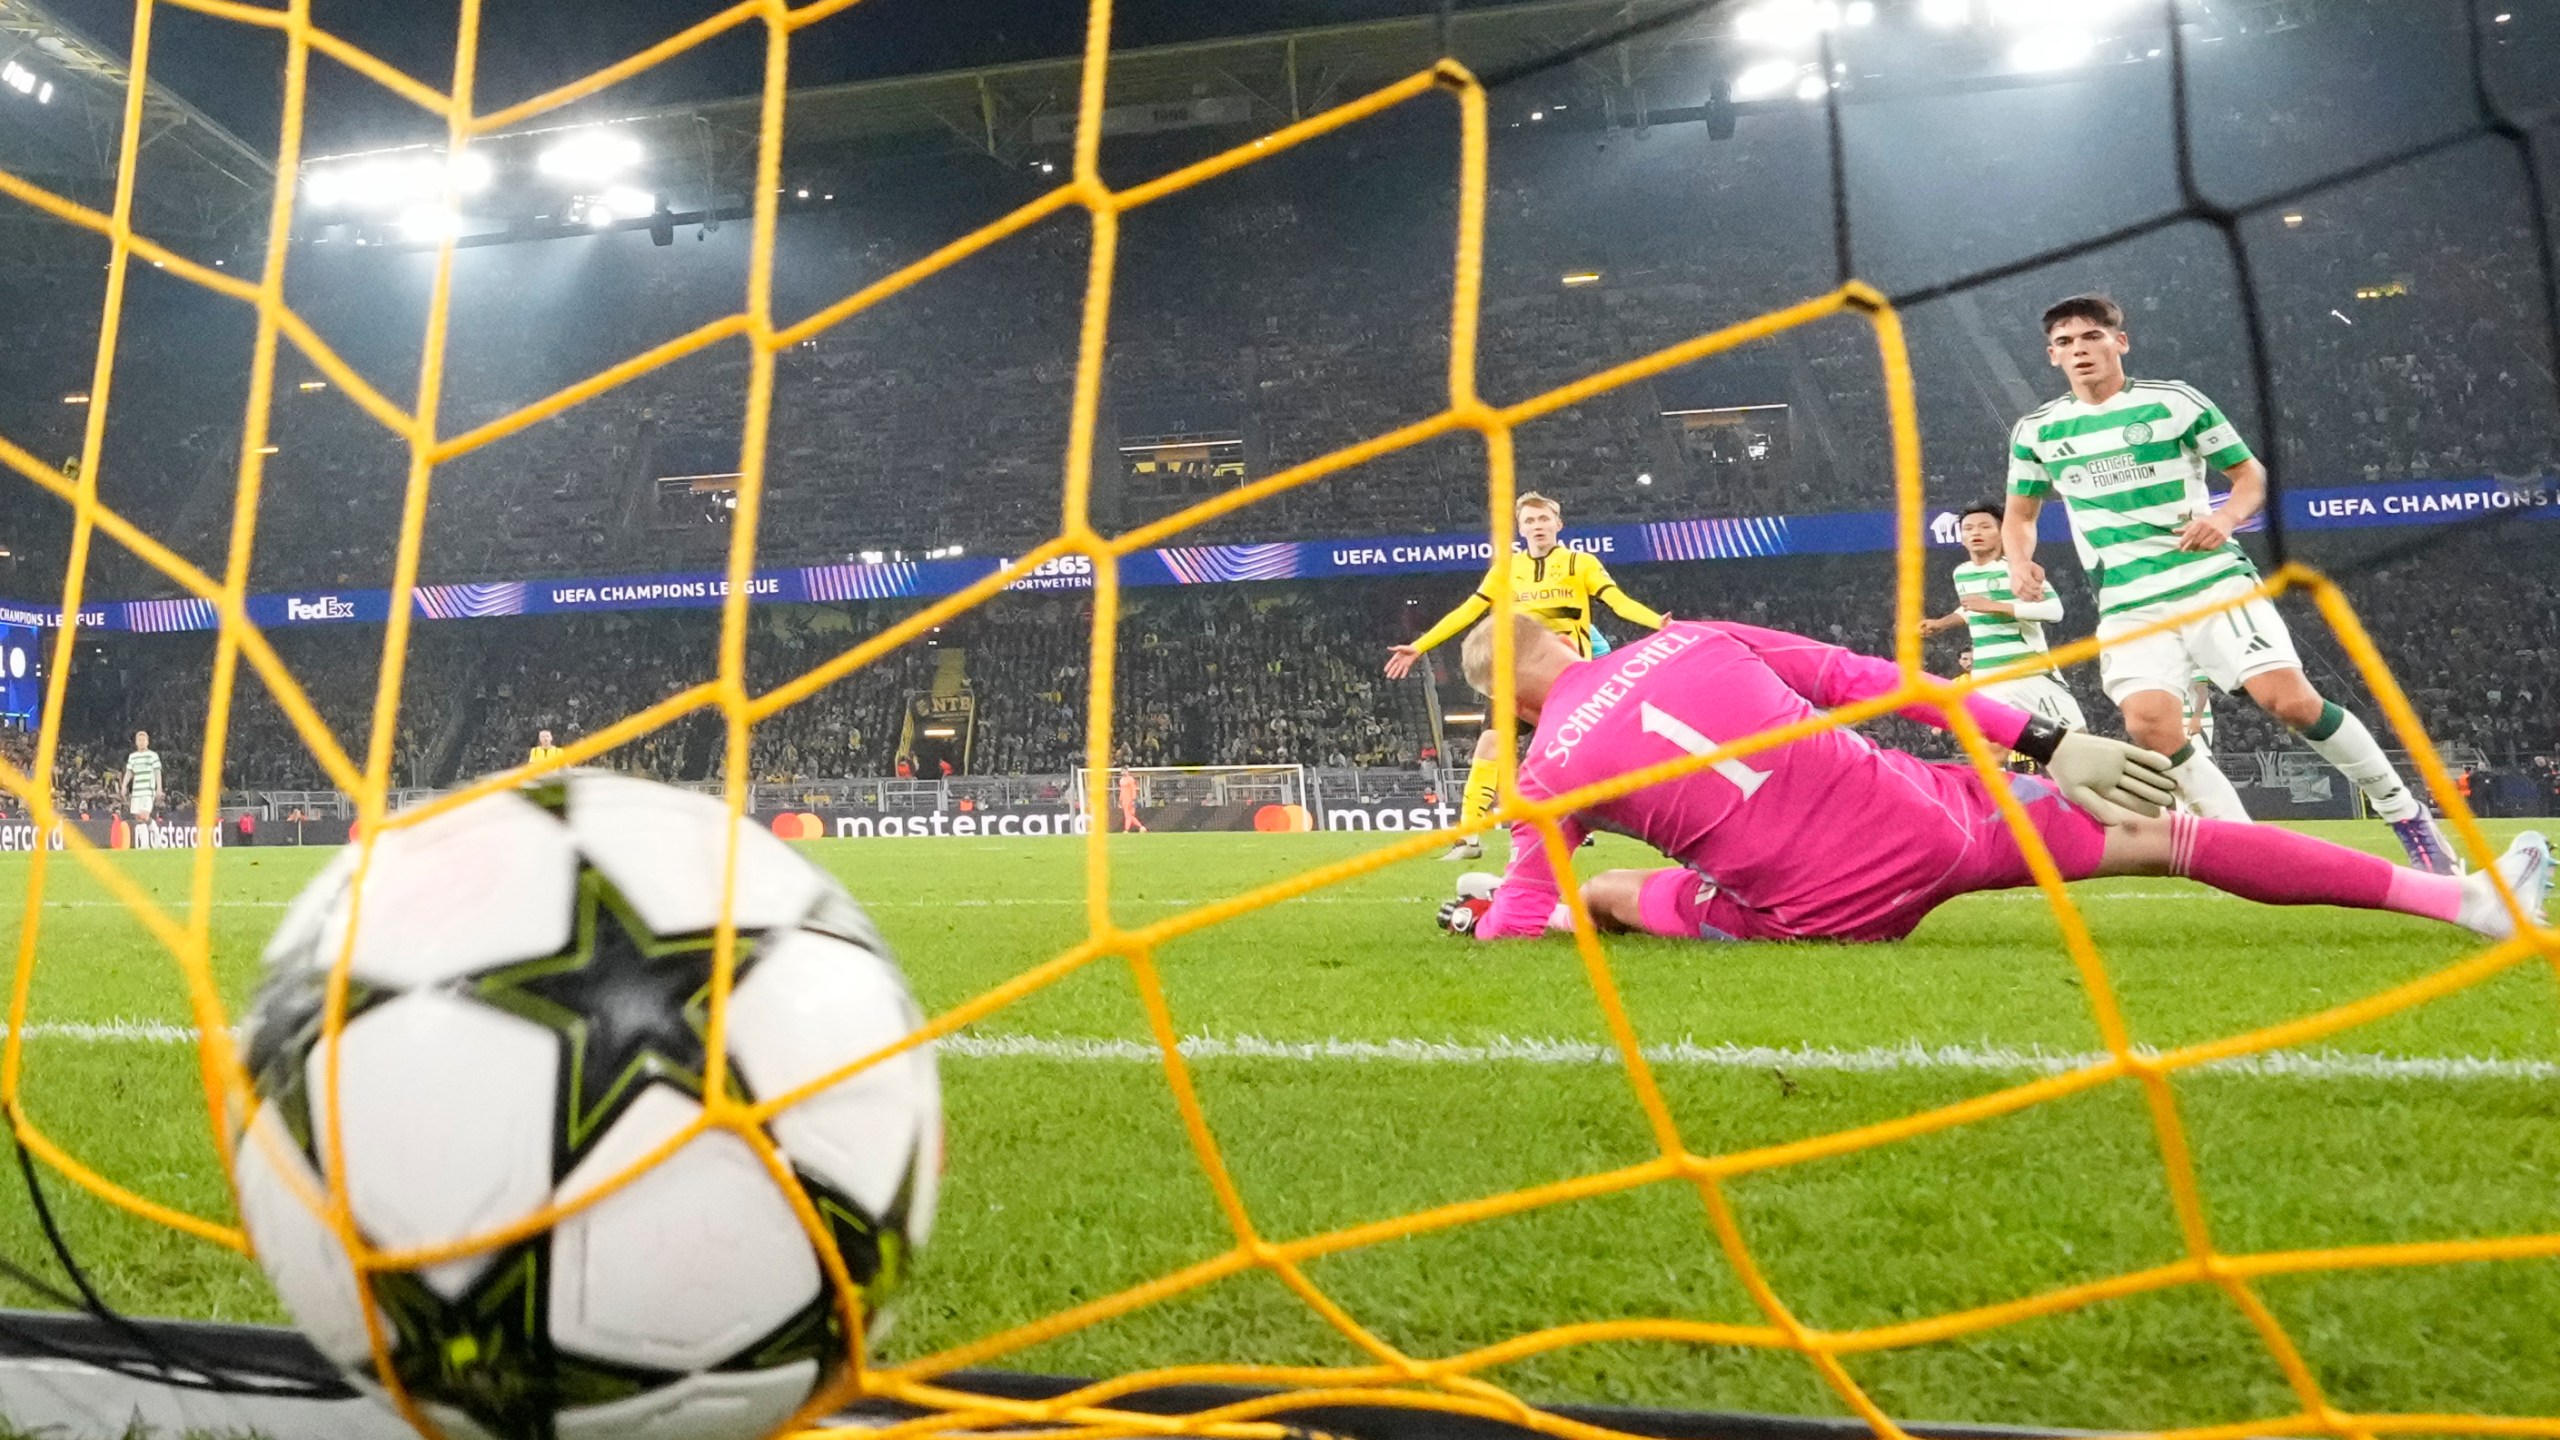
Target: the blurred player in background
pixel 1553 584
pixel 1833 837
pixel 2129 459
pixel 1130 824
pixel 542 749
pixel 2196 718
pixel 141 780
pixel 2003 627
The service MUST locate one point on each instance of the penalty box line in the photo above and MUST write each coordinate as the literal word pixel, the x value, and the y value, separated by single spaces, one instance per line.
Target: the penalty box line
pixel 1911 1056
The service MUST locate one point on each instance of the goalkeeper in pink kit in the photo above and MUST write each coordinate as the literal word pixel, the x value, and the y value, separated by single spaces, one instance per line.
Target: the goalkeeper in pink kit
pixel 1835 837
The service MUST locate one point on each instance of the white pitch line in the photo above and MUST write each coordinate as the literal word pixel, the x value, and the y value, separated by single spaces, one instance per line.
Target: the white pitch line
pixel 1911 1056
pixel 1005 902
pixel 1689 1054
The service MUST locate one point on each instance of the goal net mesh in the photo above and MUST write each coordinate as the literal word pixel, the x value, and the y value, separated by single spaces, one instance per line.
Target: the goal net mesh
pixel 1449 1382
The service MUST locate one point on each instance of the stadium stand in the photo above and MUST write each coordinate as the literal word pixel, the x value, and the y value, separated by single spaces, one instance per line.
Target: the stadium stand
pixel 1289 309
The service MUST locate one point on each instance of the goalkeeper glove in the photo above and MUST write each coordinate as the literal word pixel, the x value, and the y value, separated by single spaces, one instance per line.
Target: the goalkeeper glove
pixel 1459 916
pixel 2113 781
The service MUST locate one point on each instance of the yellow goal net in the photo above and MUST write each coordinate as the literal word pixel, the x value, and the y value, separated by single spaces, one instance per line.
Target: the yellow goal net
pixel 1388 1376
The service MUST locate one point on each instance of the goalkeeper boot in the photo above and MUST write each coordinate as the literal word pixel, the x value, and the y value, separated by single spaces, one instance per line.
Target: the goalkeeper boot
pixel 2527 869
pixel 2425 841
pixel 1468 849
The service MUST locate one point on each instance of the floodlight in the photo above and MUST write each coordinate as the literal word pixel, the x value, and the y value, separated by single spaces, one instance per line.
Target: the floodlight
pixel 1811 88
pixel 589 155
pixel 1787 23
pixel 1946 14
pixel 1764 78
pixel 2055 47
pixel 429 222
pixel 630 202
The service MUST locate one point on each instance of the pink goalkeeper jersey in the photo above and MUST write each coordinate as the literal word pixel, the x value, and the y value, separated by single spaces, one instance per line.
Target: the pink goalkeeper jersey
pixel 1786 830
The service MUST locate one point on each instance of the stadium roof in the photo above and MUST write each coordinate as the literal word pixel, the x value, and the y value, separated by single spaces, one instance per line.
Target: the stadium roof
pixel 1018 110
pixel 1025 111
pixel 701 154
pixel 198 179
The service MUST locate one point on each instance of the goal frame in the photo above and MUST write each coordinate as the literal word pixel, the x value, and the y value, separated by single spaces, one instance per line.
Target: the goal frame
pixel 1296 785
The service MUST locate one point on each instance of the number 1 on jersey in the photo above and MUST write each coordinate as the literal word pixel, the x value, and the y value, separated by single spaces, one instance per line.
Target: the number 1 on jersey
pixel 1682 734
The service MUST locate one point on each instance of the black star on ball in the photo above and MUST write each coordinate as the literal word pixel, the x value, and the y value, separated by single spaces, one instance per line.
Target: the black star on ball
pixel 630 1006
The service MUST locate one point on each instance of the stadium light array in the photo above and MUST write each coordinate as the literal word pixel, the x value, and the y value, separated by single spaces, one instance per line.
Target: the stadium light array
pixel 1764 78
pixel 1795 24
pixel 395 183
pixel 309 386
pixel 2053 47
pixel 1583 277
pixel 591 155
pixel 631 202
pixel 1946 14
pixel 27 82
pixel 428 222
pixel 75 399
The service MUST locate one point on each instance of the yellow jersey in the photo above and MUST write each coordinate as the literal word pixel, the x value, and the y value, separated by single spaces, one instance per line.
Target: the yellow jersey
pixel 540 753
pixel 1556 589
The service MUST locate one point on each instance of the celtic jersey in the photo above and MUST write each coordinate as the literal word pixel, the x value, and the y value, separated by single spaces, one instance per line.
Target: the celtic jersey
pixel 1999 639
pixel 142 775
pixel 2131 470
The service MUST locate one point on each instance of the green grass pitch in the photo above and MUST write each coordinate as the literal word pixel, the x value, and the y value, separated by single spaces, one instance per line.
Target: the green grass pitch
pixel 1069 1176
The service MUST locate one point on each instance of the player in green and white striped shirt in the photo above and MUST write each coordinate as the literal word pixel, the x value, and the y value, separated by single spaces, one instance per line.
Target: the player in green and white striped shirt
pixel 141 777
pixel 2004 628
pixel 2129 459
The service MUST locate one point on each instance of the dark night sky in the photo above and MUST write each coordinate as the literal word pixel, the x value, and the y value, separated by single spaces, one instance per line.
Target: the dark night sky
pixel 234 72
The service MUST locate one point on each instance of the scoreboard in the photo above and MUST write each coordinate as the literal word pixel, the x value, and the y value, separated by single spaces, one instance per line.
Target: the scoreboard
pixel 21 675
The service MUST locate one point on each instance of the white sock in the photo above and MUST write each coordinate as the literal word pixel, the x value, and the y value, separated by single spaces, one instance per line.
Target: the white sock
pixel 1560 919
pixel 2343 741
pixel 2206 788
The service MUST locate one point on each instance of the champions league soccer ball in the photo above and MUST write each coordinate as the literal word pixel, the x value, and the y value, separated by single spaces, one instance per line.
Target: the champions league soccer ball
pixel 526 1010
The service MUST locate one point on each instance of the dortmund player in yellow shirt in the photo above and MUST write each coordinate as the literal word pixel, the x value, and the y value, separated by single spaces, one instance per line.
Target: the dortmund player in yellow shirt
pixel 542 749
pixel 1552 584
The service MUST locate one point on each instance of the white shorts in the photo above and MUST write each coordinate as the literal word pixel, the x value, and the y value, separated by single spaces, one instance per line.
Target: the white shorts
pixel 2043 695
pixel 139 807
pixel 2228 649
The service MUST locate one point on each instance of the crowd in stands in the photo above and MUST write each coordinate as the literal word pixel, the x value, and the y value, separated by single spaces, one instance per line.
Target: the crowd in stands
pixel 1244 674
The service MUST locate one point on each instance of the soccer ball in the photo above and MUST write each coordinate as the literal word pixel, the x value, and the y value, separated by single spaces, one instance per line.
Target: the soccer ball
pixel 526 1008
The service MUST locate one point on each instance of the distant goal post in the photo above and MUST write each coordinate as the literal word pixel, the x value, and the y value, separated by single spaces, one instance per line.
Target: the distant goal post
pixel 1142 798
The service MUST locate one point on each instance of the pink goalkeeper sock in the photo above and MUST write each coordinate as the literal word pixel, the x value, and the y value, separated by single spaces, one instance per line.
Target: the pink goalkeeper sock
pixel 2280 867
